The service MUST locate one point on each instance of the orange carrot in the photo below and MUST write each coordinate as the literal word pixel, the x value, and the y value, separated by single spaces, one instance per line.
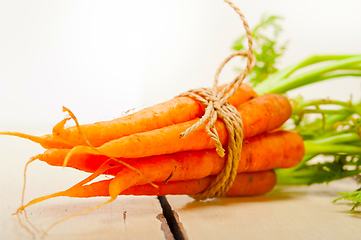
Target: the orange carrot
pixel 165 169
pixel 280 149
pixel 259 115
pixel 187 166
pixel 83 162
pixel 245 184
pixel 177 110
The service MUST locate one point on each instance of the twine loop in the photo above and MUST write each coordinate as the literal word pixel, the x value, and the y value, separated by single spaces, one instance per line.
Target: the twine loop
pixel 217 106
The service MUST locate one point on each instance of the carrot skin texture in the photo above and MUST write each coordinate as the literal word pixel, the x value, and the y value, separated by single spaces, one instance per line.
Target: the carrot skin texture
pixel 282 149
pixel 245 184
pixel 251 184
pixel 264 113
pixel 261 114
pixel 242 95
pixel 192 165
pixel 174 111
pixel 184 169
pixel 82 162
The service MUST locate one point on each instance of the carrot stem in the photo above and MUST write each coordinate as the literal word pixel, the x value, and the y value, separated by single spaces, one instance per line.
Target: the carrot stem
pixel 339 138
pixel 291 82
pixel 307 62
pixel 272 111
pixel 314 148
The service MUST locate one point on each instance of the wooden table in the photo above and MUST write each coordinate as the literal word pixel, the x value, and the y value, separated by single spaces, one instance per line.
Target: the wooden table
pixel 305 212
pixel 285 213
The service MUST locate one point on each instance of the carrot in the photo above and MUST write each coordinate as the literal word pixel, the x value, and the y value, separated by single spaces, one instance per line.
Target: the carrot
pixel 259 115
pixel 280 149
pixel 245 184
pixel 83 162
pixel 174 111
pixel 187 166
pixel 165 169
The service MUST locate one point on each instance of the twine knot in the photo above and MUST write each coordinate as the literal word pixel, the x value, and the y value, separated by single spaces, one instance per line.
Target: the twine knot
pixel 217 106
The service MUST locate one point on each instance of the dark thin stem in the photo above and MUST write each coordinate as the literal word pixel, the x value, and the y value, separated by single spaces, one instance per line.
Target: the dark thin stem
pixel 171 220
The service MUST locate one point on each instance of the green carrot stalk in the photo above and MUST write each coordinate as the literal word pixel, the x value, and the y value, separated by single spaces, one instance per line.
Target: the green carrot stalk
pixel 305 78
pixel 342 144
pixel 354 196
pixel 334 132
pixel 307 62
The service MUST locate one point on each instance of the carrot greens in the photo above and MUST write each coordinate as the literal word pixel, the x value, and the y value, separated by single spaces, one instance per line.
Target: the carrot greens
pixel 329 127
pixel 335 134
pixel 266 50
pixel 354 196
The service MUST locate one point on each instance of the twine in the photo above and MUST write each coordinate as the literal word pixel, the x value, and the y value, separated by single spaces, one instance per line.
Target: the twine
pixel 217 106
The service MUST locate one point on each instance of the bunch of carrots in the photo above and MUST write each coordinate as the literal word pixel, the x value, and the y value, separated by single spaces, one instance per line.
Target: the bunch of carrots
pixel 146 156
pixel 145 147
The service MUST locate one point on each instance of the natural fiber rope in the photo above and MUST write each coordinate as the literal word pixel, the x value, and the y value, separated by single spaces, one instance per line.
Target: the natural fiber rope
pixel 217 106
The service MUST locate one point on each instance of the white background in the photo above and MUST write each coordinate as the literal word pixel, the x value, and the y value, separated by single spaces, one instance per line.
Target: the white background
pixel 102 58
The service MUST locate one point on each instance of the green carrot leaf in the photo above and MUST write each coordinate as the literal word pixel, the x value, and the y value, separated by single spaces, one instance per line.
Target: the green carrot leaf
pixel 266 48
pixel 342 166
pixel 354 196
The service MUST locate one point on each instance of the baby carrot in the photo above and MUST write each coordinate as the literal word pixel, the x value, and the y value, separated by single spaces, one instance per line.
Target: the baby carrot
pixel 187 166
pixel 280 149
pixel 83 162
pixel 245 184
pixel 165 169
pixel 259 115
pixel 174 111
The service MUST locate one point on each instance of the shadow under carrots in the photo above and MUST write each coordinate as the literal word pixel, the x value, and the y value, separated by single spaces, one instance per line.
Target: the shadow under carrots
pixel 279 193
pixel 228 201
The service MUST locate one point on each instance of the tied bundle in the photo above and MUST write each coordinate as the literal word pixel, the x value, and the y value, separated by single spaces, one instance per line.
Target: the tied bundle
pixel 217 106
pixel 177 147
